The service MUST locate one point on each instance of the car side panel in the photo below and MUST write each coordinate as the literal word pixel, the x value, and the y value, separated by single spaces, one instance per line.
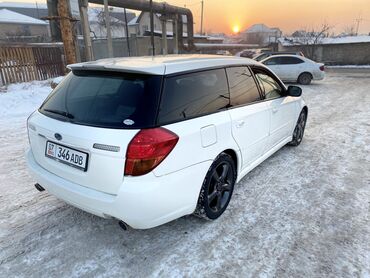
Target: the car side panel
pixel 250 129
pixel 282 119
pixel 200 139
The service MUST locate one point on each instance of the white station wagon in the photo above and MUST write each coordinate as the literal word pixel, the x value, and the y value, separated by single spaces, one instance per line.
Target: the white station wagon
pixel 148 140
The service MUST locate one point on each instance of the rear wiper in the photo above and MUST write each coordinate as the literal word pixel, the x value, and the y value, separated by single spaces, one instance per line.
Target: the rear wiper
pixel 59 112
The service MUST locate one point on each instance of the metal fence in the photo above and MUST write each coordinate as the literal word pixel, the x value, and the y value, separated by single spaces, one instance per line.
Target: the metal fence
pixel 22 63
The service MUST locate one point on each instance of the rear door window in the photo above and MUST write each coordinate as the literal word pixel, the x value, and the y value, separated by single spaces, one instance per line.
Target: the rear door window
pixel 273 61
pixel 191 95
pixel 105 99
pixel 290 60
pixel 243 89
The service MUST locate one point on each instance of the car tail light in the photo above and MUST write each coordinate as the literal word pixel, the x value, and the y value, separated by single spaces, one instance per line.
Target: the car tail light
pixel 322 68
pixel 148 149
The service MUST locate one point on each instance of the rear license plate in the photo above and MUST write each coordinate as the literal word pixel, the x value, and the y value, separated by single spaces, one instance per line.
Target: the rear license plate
pixel 66 155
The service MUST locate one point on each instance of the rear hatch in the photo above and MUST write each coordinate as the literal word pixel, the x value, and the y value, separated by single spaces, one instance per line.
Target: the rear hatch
pixel 82 130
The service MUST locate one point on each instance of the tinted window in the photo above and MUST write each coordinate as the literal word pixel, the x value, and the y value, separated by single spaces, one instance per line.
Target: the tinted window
pixel 243 89
pixel 194 94
pixel 272 61
pixel 268 85
pixel 117 100
pixel 261 57
pixel 290 60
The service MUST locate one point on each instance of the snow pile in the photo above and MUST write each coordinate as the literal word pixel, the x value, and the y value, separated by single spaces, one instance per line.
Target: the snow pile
pixel 58 79
pixel 22 99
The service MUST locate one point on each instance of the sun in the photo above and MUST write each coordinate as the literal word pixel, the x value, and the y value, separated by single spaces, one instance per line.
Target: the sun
pixel 236 29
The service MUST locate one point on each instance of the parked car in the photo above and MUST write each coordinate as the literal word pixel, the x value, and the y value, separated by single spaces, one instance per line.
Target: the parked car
pixel 148 140
pixel 223 52
pixel 247 53
pixel 266 54
pixel 293 68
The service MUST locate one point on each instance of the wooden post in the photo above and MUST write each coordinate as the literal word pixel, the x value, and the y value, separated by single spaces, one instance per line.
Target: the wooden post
pixel 89 55
pixel 127 34
pixel 66 30
pixel 164 35
pixel 175 35
pixel 107 26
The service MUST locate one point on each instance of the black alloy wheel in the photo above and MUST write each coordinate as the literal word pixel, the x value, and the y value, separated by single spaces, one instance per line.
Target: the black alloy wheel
pixel 299 129
pixel 217 188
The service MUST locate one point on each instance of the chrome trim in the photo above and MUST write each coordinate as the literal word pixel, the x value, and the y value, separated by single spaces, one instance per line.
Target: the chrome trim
pixel 108 148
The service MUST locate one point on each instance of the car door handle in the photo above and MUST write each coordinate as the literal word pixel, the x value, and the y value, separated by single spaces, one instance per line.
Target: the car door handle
pixel 240 124
pixel 274 110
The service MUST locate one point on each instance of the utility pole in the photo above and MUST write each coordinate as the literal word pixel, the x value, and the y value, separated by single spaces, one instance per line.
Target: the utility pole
pixel 201 18
pixel 66 30
pixel 107 26
pixel 56 35
pixel 127 38
pixel 358 21
pixel 37 8
pixel 152 27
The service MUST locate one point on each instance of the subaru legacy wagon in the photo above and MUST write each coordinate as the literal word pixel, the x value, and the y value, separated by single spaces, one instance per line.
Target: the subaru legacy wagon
pixel 148 140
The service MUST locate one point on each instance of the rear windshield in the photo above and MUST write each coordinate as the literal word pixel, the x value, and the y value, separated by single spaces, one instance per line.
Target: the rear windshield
pixel 105 99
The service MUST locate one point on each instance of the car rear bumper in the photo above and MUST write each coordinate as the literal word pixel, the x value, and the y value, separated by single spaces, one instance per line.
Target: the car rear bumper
pixel 142 202
pixel 319 75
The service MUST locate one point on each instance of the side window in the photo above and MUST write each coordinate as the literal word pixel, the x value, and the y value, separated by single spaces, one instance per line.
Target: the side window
pixel 269 86
pixel 194 94
pixel 291 60
pixel 272 61
pixel 243 89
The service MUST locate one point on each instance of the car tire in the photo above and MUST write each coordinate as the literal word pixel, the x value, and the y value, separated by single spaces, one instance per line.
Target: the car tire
pixel 217 188
pixel 299 129
pixel 305 78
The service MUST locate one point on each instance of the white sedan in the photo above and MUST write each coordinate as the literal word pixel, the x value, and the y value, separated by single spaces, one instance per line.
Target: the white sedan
pixel 294 68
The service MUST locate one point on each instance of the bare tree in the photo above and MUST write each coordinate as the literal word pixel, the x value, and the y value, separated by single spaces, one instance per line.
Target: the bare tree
pixel 311 38
pixel 115 24
pixel 349 30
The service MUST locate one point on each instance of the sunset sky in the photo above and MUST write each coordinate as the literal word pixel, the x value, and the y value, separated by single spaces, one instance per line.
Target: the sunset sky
pixel 288 15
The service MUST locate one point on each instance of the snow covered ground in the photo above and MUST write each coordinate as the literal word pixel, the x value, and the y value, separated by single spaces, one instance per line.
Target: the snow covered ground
pixel 350 67
pixel 305 212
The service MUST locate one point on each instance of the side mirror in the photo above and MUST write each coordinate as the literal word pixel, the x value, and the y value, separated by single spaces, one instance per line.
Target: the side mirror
pixel 294 91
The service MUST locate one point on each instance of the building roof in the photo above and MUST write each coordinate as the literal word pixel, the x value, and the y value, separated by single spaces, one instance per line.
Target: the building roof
pixel 35 10
pixel 116 14
pixel 136 20
pixel 7 16
pixel 159 65
pixel 288 41
pixel 23 5
pixel 260 28
pixel 133 21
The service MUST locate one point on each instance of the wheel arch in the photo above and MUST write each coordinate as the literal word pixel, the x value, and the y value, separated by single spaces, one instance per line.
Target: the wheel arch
pixel 235 158
pixel 307 73
pixel 305 109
